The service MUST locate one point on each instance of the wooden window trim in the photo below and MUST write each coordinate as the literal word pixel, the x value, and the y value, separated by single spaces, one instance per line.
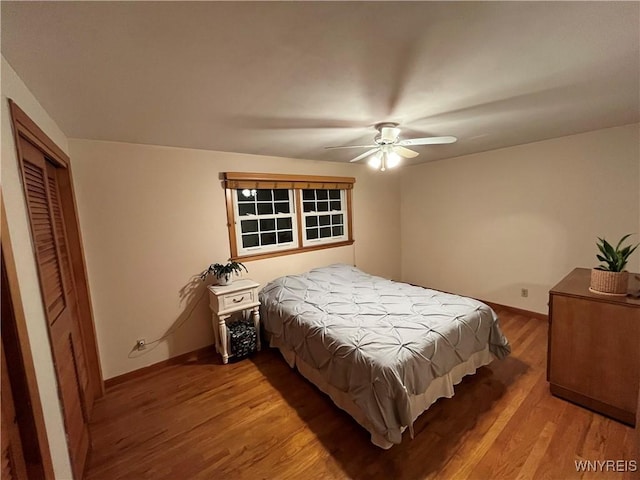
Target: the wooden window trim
pixel 292 251
pixel 237 180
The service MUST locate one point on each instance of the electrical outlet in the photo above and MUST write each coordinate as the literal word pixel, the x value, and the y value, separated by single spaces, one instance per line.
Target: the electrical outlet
pixel 524 292
pixel 141 344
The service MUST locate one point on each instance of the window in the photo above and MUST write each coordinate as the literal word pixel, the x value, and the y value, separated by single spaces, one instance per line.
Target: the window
pixel 264 219
pixel 324 216
pixel 271 215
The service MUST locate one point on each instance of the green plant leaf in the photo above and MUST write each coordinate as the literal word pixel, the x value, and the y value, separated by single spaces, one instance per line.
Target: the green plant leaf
pixel 622 240
pixel 616 258
pixel 601 248
pixel 609 251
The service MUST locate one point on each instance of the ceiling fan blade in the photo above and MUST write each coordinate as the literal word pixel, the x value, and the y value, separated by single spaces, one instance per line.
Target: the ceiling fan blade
pixel 428 141
pixel 405 152
pixel 365 154
pixel 389 134
pixel 351 146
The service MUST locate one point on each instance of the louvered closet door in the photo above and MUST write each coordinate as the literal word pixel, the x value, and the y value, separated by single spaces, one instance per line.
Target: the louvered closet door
pixel 13 463
pixel 59 297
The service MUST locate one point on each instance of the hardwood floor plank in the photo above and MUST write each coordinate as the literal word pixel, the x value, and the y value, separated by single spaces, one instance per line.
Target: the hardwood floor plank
pixel 259 419
pixel 527 471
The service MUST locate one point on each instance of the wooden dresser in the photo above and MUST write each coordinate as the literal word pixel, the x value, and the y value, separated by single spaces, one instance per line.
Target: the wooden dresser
pixel 594 346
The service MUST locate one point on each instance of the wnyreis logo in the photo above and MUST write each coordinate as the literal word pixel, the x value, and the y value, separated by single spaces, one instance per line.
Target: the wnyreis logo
pixel 606 466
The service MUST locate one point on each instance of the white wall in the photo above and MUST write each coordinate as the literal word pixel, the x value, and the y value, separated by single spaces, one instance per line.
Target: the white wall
pixel 488 224
pixel 17 220
pixel 154 217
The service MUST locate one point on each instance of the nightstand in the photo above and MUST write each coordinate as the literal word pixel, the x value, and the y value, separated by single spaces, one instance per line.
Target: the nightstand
pixel 225 300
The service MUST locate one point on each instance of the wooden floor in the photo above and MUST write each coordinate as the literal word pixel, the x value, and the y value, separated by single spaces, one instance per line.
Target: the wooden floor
pixel 258 419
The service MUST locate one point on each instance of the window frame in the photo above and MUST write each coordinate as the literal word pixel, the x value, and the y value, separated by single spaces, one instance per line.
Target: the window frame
pixel 233 181
pixel 306 242
pixel 247 251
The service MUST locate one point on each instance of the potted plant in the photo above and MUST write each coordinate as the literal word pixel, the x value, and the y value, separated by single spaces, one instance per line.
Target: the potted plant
pixel 610 277
pixel 223 273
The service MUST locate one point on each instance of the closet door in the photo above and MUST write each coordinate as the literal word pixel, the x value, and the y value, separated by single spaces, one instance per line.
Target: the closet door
pixel 59 297
pixel 13 462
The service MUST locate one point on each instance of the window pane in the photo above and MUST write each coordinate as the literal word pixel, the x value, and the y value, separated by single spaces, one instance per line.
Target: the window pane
pixel 312 233
pixel 268 238
pixel 284 224
pixel 250 241
pixel 308 195
pixel 334 194
pixel 246 195
pixel 312 221
pixel 286 236
pixel 322 194
pixel 337 231
pixel 336 219
pixel 249 226
pixel 309 206
pixel 325 232
pixel 323 206
pixel 264 195
pixel 336 205
pixel 246 209
pixel 282 207
pixel 267 224
pixel 281 194
pixel 325 220
pixel 265 208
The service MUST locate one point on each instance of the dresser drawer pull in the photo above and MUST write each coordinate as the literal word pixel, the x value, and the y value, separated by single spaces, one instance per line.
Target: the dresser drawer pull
pixel 238 300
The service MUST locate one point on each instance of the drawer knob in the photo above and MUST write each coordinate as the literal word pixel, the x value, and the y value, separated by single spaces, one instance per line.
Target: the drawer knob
pixel 238 300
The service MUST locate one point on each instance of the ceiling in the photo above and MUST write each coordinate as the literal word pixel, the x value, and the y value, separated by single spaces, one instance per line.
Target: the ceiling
pixel 289 78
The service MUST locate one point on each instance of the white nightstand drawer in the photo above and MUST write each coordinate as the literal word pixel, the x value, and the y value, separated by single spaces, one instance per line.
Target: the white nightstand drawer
pixel 237 299
pixel 225 300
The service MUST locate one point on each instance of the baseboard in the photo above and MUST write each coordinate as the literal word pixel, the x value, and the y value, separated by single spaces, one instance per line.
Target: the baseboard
pixel 178 359
pixel 518 311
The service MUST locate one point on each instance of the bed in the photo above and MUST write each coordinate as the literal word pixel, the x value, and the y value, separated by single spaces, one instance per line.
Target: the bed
pixel 384 351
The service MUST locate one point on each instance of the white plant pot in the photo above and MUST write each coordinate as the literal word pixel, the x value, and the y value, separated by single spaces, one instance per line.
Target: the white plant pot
pixel 225 280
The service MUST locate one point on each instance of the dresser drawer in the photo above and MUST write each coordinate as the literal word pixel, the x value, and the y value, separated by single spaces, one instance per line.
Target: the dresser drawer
pixel 237 299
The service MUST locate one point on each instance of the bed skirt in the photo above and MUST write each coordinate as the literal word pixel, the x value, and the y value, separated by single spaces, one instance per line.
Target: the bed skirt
pixel 440 387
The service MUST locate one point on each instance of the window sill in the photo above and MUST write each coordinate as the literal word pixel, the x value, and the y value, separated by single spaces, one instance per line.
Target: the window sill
pixel 291 251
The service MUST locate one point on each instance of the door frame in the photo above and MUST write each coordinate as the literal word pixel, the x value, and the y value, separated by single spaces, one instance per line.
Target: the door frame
pixel 24 127
pixel 21 340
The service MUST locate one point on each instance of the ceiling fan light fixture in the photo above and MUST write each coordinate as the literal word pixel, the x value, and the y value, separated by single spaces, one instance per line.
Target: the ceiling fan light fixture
pixel 375 161
pixel 388 149
pixel 393 159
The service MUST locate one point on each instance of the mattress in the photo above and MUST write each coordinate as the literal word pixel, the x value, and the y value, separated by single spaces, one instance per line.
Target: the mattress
pixel 377 346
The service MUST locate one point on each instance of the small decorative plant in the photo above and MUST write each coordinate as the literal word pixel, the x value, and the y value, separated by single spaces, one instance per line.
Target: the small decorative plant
pixel 610 277
pixel 614 259
pixel 223 273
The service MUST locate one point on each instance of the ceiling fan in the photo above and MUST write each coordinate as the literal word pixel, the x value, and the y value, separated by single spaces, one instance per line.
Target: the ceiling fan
pixel 388 150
